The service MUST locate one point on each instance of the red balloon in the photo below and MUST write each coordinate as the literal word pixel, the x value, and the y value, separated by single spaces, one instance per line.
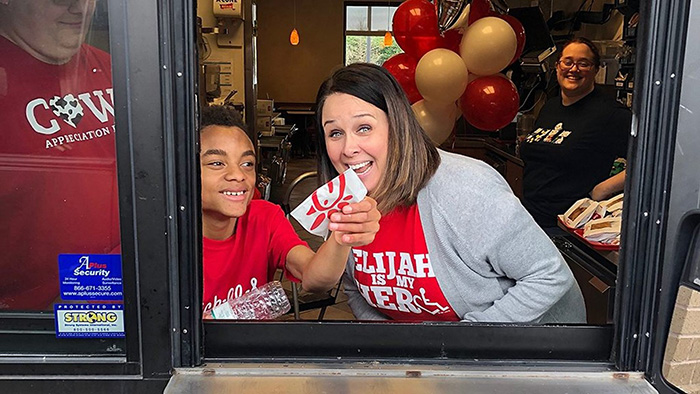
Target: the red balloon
pixel 451 40
pixel 403 68
pixel 519 34
pixel 490 103
pixel 415 27
pixel 479 9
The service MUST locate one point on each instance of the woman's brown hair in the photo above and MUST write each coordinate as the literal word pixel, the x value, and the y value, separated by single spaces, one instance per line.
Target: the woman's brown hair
pixel 412 159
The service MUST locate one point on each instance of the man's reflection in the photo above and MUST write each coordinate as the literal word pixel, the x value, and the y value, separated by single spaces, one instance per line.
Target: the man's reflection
pixel 57 161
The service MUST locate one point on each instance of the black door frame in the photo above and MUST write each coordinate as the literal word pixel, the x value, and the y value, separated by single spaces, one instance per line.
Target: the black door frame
pixel 153 77
pixel 159 197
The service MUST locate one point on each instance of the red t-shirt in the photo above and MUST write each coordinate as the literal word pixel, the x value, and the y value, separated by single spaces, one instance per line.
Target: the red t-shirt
pixel 58 190
pixel 249 258
pixel 394 273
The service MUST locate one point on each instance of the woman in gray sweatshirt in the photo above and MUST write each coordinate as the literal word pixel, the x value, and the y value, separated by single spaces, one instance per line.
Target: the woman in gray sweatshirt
pixel 454 242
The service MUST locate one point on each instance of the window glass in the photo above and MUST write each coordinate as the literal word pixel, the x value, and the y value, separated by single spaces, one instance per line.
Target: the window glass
pixel 356 18
pixel 369 49
pixel 59 218
pixel 381 18
pixel 515 273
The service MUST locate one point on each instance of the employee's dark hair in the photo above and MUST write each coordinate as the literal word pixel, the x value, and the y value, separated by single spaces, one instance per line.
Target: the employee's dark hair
pixel 590 44
pixel 221 115
pixel 411 158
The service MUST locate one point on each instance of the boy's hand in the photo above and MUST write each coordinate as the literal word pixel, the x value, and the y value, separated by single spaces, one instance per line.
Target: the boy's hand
pixel 358 223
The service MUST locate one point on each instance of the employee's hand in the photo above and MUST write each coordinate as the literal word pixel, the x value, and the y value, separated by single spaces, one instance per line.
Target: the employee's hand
pixel 357 224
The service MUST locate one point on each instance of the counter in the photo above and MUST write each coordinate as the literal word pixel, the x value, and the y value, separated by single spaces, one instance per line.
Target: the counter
pixel 596 274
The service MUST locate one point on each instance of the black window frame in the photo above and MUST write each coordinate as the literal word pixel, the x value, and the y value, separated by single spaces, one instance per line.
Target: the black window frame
pixel 150 217
pixel 159 200
pixel 620 346
pixel 671 221
pixel 261 341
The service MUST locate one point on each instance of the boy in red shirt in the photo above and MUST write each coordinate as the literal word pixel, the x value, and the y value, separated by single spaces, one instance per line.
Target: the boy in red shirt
pixel 244 240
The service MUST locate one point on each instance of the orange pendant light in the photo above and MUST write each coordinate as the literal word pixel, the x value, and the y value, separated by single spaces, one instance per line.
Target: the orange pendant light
pixel 294 37
pixel 388 39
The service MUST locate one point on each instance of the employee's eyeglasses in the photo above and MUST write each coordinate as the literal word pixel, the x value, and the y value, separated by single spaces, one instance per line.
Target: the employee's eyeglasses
pixel 583 65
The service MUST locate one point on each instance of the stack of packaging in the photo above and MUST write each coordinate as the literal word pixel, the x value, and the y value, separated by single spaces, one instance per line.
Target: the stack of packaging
pixel 601 221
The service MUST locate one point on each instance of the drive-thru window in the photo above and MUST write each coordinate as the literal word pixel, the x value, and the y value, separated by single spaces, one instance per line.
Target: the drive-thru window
pixel 100 223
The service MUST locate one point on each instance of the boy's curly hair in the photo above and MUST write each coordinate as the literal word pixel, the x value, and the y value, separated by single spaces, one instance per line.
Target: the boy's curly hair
pixel 221 115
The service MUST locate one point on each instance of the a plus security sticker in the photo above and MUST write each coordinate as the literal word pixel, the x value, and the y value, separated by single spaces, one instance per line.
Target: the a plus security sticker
pixel 94 277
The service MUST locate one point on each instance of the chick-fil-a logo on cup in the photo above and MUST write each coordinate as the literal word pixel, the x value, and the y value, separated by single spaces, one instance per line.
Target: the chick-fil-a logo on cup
pixel 315 212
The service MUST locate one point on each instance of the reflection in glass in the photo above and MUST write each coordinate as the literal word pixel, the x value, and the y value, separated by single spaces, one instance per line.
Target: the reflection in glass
pixel 58 190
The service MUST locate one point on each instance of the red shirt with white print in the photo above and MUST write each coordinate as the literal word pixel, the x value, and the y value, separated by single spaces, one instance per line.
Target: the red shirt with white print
pixel 249 258
pixel 58 183
pixel 394 273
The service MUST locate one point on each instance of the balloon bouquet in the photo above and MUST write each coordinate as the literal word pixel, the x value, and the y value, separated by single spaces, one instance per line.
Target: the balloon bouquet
pixel 453 51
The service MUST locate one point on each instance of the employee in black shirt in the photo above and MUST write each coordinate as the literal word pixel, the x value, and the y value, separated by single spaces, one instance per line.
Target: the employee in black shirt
pixel 577 137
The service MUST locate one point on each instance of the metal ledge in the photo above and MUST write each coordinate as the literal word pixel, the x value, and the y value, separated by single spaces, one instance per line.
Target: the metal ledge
pixel 370 378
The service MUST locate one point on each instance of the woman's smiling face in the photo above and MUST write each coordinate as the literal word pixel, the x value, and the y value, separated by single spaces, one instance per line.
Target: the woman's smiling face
pixel 357 136
pixel 573 80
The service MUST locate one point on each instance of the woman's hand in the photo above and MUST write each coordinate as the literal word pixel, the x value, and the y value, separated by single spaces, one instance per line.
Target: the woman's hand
pixel 357 224
pixel 599 192
pixel 608 187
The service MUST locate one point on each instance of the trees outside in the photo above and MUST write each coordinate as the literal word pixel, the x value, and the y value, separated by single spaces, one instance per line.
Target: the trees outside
pixel 356 48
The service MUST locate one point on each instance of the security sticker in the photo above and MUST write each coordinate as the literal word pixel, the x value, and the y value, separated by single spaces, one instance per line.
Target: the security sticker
pixel 93 277
pixel 89 320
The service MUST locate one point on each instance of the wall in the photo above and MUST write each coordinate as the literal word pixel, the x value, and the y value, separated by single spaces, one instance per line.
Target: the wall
pixel 682 358
pixel 293 74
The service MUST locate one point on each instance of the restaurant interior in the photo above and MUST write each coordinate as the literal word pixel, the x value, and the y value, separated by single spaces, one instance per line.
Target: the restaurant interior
pixel 268 58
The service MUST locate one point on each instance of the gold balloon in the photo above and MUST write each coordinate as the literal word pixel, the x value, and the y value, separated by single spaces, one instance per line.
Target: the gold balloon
pixel 438 121
pixel 441 76
pixel 488 45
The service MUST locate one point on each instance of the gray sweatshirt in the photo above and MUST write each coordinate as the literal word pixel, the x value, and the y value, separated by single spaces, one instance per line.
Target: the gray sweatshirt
pixel 492 261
